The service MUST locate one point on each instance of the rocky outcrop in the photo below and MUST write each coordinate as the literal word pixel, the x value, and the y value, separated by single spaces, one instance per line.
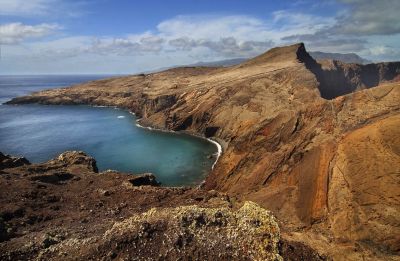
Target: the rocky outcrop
pixel 283 120
pixel 7 161
pixel 190 233
pixel 147 179
pixel 78 158
pixel 61 209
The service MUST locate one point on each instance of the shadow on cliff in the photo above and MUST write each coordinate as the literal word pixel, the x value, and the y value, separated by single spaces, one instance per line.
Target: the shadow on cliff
pixel 337 78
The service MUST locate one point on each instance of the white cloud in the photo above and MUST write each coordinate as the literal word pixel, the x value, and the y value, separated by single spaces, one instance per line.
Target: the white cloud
pixel 14 33
pixel 290 19
pixel 363 27
pixel 227 46
pixel 43 8
pixel 25 7
pixel 199 36
pixel 372 17
pixel 231 36
pixel 355 18
pixel 383 52
pixel 126 46
pixel 224 36
pixel 212 27
pixel 182 40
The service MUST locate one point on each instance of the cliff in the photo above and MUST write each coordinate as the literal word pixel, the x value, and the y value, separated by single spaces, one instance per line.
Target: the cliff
pixel 295 133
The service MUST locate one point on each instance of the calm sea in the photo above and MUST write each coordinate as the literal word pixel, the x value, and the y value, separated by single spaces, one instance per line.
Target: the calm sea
pixel 41 132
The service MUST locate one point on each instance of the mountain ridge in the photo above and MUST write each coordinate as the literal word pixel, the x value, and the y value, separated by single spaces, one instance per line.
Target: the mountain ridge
pixel 342 57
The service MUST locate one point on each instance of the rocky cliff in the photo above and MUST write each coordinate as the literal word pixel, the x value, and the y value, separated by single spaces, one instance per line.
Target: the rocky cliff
pixel 295 134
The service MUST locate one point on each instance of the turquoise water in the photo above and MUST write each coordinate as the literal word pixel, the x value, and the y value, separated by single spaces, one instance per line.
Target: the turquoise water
pixel 110 135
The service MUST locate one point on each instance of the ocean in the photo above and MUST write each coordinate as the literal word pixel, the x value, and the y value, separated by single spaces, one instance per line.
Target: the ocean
pixel 41 132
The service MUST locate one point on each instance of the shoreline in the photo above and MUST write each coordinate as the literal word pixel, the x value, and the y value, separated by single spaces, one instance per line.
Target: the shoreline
pixel 219 147
pixel 137 123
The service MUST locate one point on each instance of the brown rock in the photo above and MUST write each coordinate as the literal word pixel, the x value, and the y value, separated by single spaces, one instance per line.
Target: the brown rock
pixel 78 158
pixel 363 193
pixel 146 179
pixel 191 232
pixel 7 161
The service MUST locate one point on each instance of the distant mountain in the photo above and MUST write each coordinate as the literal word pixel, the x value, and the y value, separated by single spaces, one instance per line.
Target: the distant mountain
pixel 222 63
pixel 343 57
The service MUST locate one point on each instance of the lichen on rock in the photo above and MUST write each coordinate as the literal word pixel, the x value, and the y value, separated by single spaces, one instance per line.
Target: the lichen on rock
pixel 78 158
pixel 250 233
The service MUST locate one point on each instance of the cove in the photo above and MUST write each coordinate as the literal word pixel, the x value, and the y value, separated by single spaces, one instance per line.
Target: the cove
pixel 111 136
pixel 41 132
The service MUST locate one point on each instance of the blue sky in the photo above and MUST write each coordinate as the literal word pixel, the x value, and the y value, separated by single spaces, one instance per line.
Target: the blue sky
pixel 121 36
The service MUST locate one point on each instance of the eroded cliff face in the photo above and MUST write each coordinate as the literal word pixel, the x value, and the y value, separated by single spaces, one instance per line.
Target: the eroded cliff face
pixel 282 140
pixel 365 207
pixel 337 78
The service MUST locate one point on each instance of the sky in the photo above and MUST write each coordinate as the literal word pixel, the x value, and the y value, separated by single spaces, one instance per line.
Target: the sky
pixel 127 36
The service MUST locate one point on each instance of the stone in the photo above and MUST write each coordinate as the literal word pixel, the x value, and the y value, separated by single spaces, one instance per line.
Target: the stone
pixel 146 179
pixel 192 232
pixel 7 161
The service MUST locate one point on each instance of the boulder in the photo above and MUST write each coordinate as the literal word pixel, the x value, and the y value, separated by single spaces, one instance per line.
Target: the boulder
pixel 80 158
pixel 7 161
pixel 146 179
pixel 195 233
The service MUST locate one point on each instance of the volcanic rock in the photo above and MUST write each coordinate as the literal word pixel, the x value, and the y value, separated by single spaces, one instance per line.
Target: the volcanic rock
pixel 191 232
pixel 69 222
pixel 146 179
pixel 7 161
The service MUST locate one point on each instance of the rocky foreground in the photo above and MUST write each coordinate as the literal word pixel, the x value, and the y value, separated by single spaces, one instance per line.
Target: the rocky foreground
pixel 65 210
pixel 315 142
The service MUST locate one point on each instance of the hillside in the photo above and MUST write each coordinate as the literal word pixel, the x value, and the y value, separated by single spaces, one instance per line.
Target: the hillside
pixel 297 138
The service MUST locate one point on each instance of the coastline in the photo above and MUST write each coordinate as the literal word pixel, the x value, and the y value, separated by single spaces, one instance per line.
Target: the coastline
pixel 217 144
pixel 219 147
pixel 137 123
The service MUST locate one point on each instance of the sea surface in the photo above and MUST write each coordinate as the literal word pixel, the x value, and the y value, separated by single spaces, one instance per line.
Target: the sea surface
pixel 41 132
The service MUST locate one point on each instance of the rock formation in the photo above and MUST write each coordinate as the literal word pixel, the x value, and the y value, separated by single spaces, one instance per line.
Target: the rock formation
pixel 297 138
pixel 64 209
pixel 7 161
pixel 192 232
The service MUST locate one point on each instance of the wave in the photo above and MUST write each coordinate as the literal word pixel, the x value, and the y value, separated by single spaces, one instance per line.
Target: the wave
pixel 218 153
pixel 219 147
